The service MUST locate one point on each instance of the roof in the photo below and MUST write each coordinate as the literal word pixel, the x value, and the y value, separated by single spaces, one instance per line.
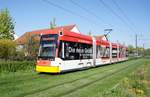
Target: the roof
pixel 76 37
pixel 23 39
pixel 68 28
pixel 101 37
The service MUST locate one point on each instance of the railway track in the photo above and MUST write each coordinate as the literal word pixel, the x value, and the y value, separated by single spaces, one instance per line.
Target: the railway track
pixel 69 84
pixel 82 86
pixel 52 86
pixel 92 82
pixel 65 94
pixel 32 77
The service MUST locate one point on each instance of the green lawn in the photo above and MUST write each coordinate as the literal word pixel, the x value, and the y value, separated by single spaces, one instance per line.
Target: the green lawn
pixel 88 83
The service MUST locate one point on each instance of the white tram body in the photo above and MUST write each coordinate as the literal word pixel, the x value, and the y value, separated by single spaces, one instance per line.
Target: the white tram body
pixel 64 50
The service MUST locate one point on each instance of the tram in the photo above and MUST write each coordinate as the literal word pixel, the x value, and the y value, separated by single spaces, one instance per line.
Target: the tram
pixel 64 50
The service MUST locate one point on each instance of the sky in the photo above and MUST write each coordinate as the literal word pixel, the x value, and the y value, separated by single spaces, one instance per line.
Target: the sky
pixel 126 17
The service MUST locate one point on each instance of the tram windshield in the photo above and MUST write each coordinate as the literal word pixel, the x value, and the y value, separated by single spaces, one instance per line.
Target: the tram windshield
pixel 48 45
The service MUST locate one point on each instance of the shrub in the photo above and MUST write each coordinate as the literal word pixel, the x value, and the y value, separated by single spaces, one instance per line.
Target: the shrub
pixel 13 66
pixel 7 48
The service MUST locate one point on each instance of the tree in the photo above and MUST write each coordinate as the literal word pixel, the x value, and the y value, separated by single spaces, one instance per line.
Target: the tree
pixel 53 23
pixel 131 49
pixel 6 25
pixel 147 52
pixel 32 46
pixel 7 48
pixel 90 33
pixel 140 50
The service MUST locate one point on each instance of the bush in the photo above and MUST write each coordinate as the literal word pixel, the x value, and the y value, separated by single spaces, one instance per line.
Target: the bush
pixel 13 66
pixel 7 48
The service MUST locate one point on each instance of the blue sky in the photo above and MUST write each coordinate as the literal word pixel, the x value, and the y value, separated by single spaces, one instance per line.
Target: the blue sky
pixel 36 14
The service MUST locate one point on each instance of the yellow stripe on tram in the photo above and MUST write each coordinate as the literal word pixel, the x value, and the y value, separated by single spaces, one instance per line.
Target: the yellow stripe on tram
pixel 50 69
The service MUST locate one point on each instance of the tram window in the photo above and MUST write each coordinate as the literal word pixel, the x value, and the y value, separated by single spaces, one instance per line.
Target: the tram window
pixel 105 52
pixel 114 52
pixel 60 50
pixel 102 52
pixel 127 53
pixel 75 51
pixel 99 51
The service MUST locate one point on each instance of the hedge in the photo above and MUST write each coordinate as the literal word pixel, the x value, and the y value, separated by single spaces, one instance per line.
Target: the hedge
pixel 13 66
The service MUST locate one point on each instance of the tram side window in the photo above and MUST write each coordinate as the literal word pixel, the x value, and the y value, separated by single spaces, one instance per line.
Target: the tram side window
pixel 99 51
pixel 121 52
pixel 105 52
pixel 124 52
pixel 127 53
pixel 75 51
pixel 114 52
pixel 60 50
pixel 69 51
pixel 102 52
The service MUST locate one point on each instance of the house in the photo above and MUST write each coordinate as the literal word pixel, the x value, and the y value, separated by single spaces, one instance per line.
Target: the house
pixel 28 37
pixel 102 37
pixel 22 40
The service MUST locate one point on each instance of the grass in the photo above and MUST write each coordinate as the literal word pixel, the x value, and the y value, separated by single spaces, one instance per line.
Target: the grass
pixel 137 84
pixel 88 83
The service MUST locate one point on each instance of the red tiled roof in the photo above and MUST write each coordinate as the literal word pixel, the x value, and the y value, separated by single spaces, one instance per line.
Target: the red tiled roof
pixel 23 39
pixel 68 28
pixel 100 36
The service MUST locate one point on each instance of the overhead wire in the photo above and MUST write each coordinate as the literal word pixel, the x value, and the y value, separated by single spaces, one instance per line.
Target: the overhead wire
pixel 89 12
pixel 124 14
pixel 112 11
pixel 128 19
pixel 71 12
pixel 128 22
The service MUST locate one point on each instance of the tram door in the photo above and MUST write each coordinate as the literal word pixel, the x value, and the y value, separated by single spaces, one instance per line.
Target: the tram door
pixel 94 51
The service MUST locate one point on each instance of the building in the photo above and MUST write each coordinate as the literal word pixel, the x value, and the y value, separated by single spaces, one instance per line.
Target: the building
pixel 28 36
